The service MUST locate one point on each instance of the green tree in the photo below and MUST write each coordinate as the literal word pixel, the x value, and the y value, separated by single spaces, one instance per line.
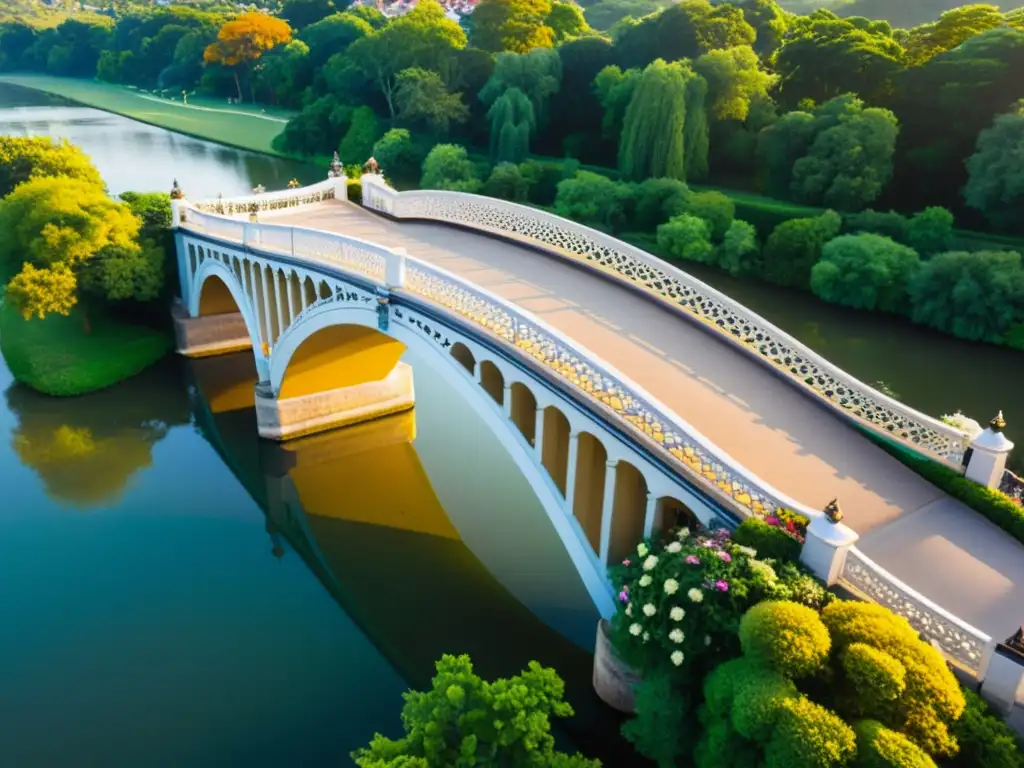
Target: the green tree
pixel 652 144
pixel 930 231
pixel 977 296
pixel 849 164
pixel 421 97
pixel 507 182
pixel 302 13
pixel 448 166
pixel 512 123
pixel 769 21
pixel 537 74
pixel 595 199
pixel 657 201
pixel 740 253
pixel 512 25
pixel 687 237
pixel 615 89
pixel 951 29
pixel 285 73
pixel 865 271
pixel 333 34
pixel 734 77
pixel 566 21
pixel 464 720
pixel 995 172
pixel 794 247
pixel 779 146
pixel 23 158
pixel 362 134
pixel 397 156
pixel 715 208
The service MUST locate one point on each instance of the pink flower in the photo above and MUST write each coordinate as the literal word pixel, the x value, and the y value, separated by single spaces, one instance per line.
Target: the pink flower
pixel 772 520
pixel 624 596
pixel 625 562
pixel 722 586
pixel 724 556
pixel 722 533
pixel 692 560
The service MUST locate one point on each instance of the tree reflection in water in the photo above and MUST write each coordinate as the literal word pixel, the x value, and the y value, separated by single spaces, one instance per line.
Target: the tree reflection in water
pixel 86 449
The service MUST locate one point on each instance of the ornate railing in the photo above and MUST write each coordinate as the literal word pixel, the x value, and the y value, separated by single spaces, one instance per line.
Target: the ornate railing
pixel 743 327
pixel 959 641
pixel 267 202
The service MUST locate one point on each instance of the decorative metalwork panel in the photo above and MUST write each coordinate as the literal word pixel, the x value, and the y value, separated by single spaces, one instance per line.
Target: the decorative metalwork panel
pixel 596 383
pixel 271 201
pixel 959 641
pixel 323 246
pixel 728 317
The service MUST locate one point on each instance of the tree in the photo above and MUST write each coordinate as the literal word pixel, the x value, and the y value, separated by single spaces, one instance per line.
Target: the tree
pixel 995 172
pixel 794 247
pixel 285 73
pixel 930 231
pixel 687 237
pixel 242 41
pixel 849 164
pixel 512 123
pixel 421 96
pixel 507 182
pixel 951 29
pixel 447 166
pixel 316 129
pixel 865 271
pixel 23 158
pixel 595 199
pixel 466 720
pixel 714 208
pixel 977 296
pixel 566 21
pixel 423 38
pixel 334 34
pixel 397 156
pixel 658 200
pixel 734 77
pixel 512 25
pixel 538 74
pixel 615 89
pixel 652 144
pixel 740 253
pixel 302 13
pixel 55 227
pixel 362 133
pixel 779 146
pixel 769 21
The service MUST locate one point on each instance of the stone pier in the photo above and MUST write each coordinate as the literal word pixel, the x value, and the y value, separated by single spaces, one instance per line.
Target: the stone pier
pixel 209 335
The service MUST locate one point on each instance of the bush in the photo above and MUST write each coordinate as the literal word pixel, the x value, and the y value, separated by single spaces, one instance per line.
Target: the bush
pixel 809 736
pixel 397 155
pixel 714 207
pixel 865 271
pixel 358 142
pixel 879 747
pixel 785 637
pixel 507 182
pixel 794 248
pixel 658 200
pixel 687 237
pixel 594 199
pixel 447 166
pixel 930 231
pixel 543 178
pixel 985 740
pixel 740 253
pixel 769 541
pixel 874 674
pixel 766 214
pixel 888 223
pixel 354 188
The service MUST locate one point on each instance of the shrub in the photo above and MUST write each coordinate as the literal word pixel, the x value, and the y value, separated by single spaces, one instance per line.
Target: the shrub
pixel 447 166
pixel 930 231
pixel 397 155
pixel 865 271
pixel 364 130
pixel 874 674
pixel 658 200
pixel 769 541
pixel 594 199
pixel 766 213
pixel 879 747
pixel 809 736
pixel 985 740
pixel 785 637
pixel 543 178
pixel 740 253
pixel 661 729
pixel 759 697
pixel 687 237
pixel 795 247
pixel 714 207
pixel 354 187
pixel 507 182
pixel 888 223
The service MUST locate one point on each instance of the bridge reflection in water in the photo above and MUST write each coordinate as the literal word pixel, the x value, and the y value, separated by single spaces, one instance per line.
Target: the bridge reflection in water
pixel 358 506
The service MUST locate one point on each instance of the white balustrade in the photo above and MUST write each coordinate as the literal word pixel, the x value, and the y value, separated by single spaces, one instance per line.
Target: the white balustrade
pixel 853 398
pixel 268 202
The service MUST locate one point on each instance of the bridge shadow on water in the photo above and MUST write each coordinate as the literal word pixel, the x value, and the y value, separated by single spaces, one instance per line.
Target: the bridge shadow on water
pixel 358 507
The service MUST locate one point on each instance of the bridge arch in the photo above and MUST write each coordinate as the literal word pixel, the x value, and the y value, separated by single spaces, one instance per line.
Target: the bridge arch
pixel 217 278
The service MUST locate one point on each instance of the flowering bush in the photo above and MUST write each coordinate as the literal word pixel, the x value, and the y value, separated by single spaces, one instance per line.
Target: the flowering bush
pixel 964 424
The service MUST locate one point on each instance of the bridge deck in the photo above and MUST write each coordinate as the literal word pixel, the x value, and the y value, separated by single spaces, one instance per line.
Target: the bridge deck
pixel 940 547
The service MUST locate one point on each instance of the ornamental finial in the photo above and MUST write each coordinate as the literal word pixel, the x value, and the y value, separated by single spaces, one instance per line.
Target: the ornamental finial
pixel 832 511
pixel 294 184
pixel 1015 642
pixel 336 170
pixel 259 189
pixel 998 424
pixel 176 191
pixel 370 166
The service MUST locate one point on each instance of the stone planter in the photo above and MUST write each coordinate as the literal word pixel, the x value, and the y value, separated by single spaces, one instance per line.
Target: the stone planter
pixel 614 682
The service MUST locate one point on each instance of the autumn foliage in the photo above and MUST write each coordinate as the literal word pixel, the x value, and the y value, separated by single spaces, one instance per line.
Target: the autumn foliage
pixel 242 41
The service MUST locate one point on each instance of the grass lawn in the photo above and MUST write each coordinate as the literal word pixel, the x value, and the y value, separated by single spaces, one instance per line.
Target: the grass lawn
pixel 56 356
pixel 242 127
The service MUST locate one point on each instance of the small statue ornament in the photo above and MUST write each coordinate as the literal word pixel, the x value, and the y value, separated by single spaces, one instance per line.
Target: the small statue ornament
pixel 998 424
pixel 370 166
pixel 336 170
pixel 259 189
pixel 833 512
pixel 294 184
pixel 176 191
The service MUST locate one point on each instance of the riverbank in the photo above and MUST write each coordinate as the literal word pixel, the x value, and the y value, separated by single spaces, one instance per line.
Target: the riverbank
pixel 236 127
pixel 60 356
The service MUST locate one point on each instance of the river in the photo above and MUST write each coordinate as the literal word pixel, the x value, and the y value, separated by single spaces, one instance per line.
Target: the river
pixel 178 592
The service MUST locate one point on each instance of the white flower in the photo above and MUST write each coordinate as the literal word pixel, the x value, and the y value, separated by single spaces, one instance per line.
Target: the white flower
pixel 677 657
pixel 676 614
pixel 674 547
pixel 707 639
pixel 695 595
pixel 676 636
pixel 671 586
pixel 641 549
pixel 650 562
pixel 635 629
pixel 649 609
pixel 645 580
pixel 748 551
pixel 629 609
pixel 646 637
pixel 683 533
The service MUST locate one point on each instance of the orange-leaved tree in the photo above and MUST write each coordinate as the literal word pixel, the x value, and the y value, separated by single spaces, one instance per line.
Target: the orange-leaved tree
pixel 242 41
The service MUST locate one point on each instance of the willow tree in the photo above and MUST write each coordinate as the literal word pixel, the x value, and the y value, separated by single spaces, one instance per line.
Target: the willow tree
pixel 653 144
pixel 512 123
pixel 696 143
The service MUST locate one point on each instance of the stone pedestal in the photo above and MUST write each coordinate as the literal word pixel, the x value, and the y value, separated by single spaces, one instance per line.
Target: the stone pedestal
pixel 825 548
pixel 1003 686
pixel 614 682
pixel 284 419
pixel 989 451
pixel 209 335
